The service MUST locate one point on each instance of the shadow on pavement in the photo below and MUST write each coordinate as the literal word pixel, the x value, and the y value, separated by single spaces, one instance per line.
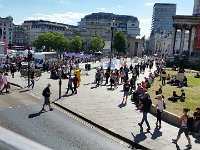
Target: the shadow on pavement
pixel 23 91
pixel 139 137
pixel 36 114
pixel 121 105
pixel 67 95
pixel 157 133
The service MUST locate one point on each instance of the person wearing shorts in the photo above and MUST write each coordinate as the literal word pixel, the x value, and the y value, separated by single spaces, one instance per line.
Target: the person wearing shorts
pixel 126 92
pixel 183 129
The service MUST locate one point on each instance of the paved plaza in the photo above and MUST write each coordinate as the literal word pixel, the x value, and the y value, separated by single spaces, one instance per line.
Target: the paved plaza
pixel 101 105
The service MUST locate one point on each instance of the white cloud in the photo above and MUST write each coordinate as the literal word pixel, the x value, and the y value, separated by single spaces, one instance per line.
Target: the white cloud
pixel 61 1
pixel 101 9
pixel 1 6
pixel 119 6
pixel 145 26
pixel 149 3
pixel 68 17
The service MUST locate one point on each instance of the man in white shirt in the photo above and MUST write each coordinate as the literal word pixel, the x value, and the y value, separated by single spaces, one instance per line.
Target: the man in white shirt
pixel 5 82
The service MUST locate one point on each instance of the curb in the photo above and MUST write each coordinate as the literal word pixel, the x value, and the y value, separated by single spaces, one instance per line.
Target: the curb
pixel 166 116
pixel 135 145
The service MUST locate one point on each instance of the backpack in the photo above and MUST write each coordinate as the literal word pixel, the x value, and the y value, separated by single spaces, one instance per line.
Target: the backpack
pixel 44 92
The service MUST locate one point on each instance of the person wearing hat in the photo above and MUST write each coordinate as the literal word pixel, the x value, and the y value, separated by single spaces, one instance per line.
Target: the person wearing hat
pixel 46 93
pixel 197 120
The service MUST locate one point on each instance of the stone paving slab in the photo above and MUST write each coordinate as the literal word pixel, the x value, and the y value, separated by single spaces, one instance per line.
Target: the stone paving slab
pixel 100 105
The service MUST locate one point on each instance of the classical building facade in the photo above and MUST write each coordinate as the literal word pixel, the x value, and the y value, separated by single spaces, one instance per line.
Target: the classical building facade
pixel 36 27
pixel 191 25
pixel 6 29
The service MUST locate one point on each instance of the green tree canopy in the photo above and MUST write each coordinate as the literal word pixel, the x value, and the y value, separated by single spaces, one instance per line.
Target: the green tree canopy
pixel 96 44
pixel 120 41
pixel 51 40
pixel 76 44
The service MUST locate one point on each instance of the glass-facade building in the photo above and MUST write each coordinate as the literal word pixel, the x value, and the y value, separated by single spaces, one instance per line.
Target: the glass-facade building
pixel 162 18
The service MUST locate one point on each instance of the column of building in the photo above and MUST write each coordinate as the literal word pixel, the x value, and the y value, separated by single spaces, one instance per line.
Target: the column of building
pixel 182 39
pixel 174 39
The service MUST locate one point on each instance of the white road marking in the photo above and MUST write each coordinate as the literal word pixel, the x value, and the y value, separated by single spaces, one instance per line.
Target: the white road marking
pixel 10 107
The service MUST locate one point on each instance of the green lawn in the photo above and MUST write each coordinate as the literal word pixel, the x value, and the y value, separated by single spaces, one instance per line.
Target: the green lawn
pixel 192 94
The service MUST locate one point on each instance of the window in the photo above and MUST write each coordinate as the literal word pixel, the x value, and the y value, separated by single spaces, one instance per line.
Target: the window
pixel 133 24
pixel 4 37
pixel 10 38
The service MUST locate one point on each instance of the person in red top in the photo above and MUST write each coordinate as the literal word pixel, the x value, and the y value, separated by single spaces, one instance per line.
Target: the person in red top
pixel 144 85
pixel 75 82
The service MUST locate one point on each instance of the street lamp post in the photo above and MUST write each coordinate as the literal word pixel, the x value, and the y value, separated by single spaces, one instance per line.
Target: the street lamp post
pixel 29 59
pixel 111 45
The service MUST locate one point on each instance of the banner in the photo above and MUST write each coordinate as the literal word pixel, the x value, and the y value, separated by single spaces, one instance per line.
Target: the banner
pixel 197 39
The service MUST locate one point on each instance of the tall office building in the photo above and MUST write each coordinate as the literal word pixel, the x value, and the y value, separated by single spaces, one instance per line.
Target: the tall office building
pixel 162 18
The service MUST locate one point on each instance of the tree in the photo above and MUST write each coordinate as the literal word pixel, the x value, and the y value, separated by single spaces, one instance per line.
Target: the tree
pixel 120 41
pixel 96 44
pixel 76 44
pixel 51 40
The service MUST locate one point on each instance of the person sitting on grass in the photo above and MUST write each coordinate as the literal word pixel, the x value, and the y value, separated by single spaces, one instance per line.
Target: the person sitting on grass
pixel 168 77
pixel 185 81
pixel 159 90
pixel 182 97
pixel 174 97
pixel 197 75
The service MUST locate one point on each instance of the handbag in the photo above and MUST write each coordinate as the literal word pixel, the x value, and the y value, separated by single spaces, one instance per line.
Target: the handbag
pixel 8 85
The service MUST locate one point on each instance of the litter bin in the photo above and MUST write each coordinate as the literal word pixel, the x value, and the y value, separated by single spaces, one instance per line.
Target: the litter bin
pixel 88 67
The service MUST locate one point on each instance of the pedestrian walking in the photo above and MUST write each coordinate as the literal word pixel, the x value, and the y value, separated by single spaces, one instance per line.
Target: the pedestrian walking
pixel 183 128
pixel 70 85
pixel 126 89
pixel 160 108
pixel 145 106
pixel 163 77
pixel 98 77
pixel 5 83
pixel 107 75
pixel 47 93
pixel 1 79
pixel 32 79
pixel 75 82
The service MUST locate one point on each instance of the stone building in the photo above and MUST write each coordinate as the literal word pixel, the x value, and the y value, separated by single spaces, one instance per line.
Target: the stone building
pixel 36 27
pixel 20 36
pixel 6 29
pixel 99 24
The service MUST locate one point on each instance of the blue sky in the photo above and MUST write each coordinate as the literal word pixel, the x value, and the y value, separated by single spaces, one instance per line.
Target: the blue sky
pixel 71 11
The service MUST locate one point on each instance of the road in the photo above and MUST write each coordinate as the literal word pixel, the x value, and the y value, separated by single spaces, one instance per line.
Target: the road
pixel 19 112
